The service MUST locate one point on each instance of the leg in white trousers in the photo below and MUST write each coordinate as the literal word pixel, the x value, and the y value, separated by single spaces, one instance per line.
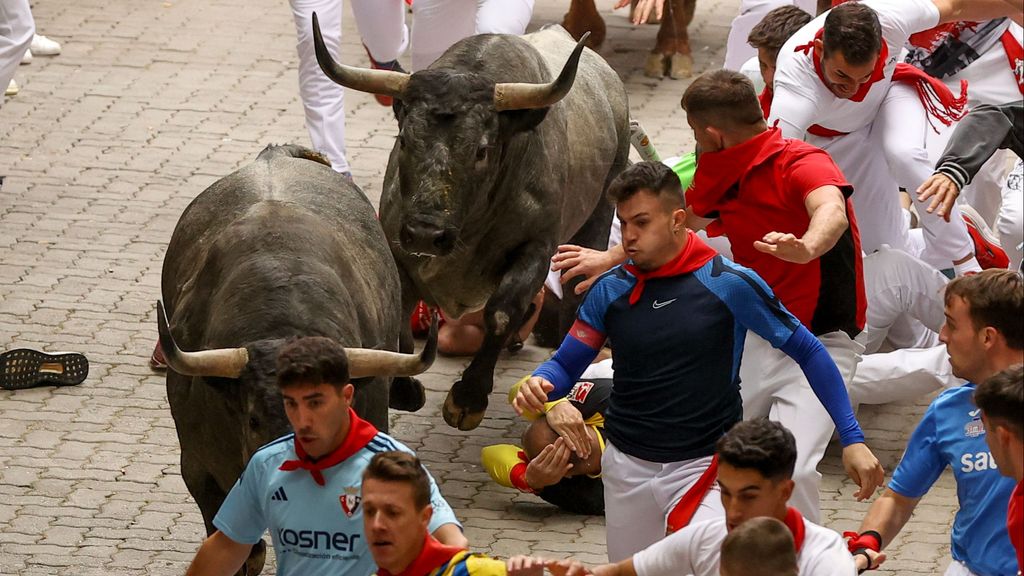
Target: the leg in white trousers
pixel 382 27
pixel 737 49
pixel 437 24
pixel 957 568
pixel 322 100
pixel 900 130
pixel 1010 222
pixel 16 30
pixel 898 285
pixel 773 385
pixel 639 495
pixel 902 375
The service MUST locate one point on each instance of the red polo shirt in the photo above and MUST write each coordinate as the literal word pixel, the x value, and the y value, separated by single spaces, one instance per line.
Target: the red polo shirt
pixel 759 187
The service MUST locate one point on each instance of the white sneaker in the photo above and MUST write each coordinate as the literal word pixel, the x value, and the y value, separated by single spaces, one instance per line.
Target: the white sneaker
pixel 26 58
pixel 12 88
pixel 43 46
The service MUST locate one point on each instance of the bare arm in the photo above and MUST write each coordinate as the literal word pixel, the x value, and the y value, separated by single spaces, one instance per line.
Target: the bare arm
pixel 694 222
pixel 219 555
pixel 827 209
pixel 889 514
pixel 450 535
pixel 978 10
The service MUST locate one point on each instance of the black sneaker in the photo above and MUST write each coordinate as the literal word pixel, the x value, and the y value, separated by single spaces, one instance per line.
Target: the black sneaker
pixel 24 368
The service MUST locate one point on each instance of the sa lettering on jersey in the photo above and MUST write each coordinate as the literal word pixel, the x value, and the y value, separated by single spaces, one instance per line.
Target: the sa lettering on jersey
pixel 977 462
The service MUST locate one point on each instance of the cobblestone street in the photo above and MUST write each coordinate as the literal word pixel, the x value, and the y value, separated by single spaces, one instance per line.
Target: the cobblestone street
pixel 149 103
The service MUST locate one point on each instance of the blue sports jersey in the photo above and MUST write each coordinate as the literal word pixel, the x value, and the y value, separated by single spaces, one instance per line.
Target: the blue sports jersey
pixel 316 530
pixel 676 354
pixel 952 434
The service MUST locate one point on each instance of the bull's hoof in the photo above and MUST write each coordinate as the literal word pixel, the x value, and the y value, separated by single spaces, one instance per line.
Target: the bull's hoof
pixel 515 345
pixel 458 417
pixel 654 67
pixel 681 66
pixel 407 394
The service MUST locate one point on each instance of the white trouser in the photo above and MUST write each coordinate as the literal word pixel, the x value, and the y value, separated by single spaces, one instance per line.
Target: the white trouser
pixel 382 27
pixel 751 12
pixel 437 24
pixel 16 30
pixel 773 385
pixel 957 568
pixel 639 495
pixel 902 375
pixel 901 129
pixel 896 286
pixel 1010 222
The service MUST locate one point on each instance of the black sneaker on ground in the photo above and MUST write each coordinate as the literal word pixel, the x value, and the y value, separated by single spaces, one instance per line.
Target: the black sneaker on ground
pixel 24 368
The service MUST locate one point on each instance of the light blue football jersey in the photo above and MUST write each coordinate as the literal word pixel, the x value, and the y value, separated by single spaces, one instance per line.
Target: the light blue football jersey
pixel 316 530
pixel 952 434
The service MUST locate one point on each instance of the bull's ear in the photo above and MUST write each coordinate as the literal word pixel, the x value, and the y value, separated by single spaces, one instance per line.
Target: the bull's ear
pixel 516 121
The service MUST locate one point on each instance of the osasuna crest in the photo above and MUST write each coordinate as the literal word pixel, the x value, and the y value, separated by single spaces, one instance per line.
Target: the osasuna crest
pixel 350 501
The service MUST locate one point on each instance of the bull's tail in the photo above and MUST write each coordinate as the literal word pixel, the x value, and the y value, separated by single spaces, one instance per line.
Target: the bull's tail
pixel 292 151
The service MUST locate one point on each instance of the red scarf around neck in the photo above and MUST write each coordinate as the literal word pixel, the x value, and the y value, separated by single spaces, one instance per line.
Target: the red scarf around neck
pixel 795 522
pixel 360 432
pixel 693 256
pixel 433 556
pixel 719 171
pixel 936 97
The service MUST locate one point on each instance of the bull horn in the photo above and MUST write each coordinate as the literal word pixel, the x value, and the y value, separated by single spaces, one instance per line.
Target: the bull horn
pixel 363 362
pixel 521 95
pixel 383 82
pixel 223 362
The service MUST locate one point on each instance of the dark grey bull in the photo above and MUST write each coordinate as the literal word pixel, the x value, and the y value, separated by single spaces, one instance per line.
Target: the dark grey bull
pixel 497 162
pixel 283 247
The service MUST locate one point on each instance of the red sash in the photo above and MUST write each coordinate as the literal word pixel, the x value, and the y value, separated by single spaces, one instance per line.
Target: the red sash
pixel 684 510
pixel 360 433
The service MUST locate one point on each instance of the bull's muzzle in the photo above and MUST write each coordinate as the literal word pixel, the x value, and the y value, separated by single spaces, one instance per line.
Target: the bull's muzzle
pixel 427 236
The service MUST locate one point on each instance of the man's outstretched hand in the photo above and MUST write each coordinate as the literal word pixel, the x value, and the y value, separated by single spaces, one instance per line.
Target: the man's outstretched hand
pixel 864 469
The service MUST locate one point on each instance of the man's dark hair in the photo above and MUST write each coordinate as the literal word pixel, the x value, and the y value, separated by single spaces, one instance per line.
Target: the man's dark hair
pixel 776 27
pixel 995 298
pixel 312 360
pixel 398 466
pixel 724 99
pixel 760 547
pixel 853 30
pixel 1001 398
pixel 653 177
pixel 762 445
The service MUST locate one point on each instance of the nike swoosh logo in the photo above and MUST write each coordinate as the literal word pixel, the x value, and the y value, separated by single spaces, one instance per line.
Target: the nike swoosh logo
pixel 974 413
pixel 657 304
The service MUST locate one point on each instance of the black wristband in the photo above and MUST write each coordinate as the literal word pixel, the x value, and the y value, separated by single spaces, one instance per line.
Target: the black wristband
pixel 863 552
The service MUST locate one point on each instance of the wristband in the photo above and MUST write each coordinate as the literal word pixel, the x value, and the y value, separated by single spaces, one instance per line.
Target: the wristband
pixel 863 552
pixel 869 539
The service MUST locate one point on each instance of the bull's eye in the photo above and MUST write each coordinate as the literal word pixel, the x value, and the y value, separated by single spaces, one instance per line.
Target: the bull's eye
pixel 254 422
pixel 481 153
pixel 401 140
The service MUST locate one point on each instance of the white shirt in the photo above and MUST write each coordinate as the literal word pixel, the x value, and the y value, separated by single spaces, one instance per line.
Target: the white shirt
pixel 802 99
pixel 696 550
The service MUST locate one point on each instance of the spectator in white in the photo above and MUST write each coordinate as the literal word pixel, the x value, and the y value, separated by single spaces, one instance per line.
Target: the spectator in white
pixel 16 31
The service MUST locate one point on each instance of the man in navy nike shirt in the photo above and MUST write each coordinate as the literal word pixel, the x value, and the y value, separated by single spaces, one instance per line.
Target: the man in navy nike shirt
pixel 677 314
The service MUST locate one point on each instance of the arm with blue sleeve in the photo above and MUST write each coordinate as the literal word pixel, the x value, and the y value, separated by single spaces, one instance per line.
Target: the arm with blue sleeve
pixel 757 308
pixel 826 382
pixel 582 343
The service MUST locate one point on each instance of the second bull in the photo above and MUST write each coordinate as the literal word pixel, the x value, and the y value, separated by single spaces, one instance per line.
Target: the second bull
pixel 505 148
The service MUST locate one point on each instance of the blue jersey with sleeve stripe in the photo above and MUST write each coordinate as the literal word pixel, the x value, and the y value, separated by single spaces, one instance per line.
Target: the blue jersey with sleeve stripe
pixel 677 354
pixel 952 434
pixel 316 530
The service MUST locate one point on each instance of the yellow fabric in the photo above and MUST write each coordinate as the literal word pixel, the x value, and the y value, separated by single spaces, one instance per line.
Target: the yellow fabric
pixel 466 564
pixel 498 460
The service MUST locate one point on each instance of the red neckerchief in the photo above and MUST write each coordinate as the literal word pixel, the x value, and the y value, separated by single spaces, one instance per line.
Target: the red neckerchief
pixel 693 256
pixel 684 510
pixel 1015 53
pixel 795 522
pixel 360 432
pixel 434 555
pixel 877 74
pixel 720 171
